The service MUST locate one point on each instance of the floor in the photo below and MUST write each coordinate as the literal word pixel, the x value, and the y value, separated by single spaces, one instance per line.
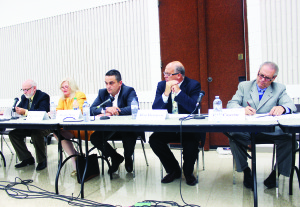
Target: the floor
pixel 215 186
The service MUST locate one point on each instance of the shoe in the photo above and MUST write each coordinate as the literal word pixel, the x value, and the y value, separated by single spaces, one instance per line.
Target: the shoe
pixel 115 162
pixel 29 161
pixel 128 165
pixel 41 165
pixel 191 180
pixel 248 180
pixel 74 173
pixel 270 182
pixel 171 177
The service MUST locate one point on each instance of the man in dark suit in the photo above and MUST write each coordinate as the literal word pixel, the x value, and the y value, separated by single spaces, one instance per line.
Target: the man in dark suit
pixel 177 94
pixel 263 96
pixel 31 100
pixel 123 96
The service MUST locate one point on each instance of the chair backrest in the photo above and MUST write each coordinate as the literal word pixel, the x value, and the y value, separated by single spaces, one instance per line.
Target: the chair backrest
pixel 298 107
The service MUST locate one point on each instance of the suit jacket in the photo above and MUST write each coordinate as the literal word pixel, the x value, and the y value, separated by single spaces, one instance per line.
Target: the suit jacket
pixel 126 95
pixel 40 102
pixel 275 95
pixel 186 99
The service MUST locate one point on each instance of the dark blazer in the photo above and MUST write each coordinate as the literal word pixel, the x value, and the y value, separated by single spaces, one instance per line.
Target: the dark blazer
pixel 40 102
pixel 186 99
pixel 124 100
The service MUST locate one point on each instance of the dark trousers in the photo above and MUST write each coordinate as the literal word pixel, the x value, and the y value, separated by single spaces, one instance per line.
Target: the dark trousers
pixel 190 142
pixel 17 137
pixel 98 138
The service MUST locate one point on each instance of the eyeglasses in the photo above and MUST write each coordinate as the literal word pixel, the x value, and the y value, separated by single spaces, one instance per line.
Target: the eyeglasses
pixel 265 77
pixel 26 90
pixel 168 74
pixel 64 87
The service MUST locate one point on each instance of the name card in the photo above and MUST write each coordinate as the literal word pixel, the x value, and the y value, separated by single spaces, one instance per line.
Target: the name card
pixel 156 114
pixel 233 114
pixel 37 116
pixel 69 115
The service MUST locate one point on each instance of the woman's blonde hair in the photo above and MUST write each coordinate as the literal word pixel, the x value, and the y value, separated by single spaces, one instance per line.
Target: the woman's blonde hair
pixel 73 86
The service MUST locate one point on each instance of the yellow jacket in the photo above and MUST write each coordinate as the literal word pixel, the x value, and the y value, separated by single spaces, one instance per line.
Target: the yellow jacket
pixel 67 103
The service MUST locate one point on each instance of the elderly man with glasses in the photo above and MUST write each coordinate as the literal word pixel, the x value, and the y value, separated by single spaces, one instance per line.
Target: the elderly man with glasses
pixel 31 100
pixel 178 94
pixel 263 95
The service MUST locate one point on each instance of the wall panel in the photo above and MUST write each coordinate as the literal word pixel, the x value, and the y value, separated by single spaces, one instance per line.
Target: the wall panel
pixel 84 45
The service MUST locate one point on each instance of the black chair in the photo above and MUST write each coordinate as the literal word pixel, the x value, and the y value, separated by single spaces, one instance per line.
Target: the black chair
pixel 178 146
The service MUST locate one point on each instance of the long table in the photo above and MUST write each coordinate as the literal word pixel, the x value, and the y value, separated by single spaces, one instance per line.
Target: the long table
pixel 292 126
pixel 126 123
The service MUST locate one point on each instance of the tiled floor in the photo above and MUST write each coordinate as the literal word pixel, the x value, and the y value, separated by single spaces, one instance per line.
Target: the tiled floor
pixel 215 186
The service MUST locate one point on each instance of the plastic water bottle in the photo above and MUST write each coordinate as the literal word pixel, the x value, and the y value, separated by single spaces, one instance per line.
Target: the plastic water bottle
pixel 86 111
pixel 75 104
pixel 217 104
pixel 134 108
pixel 52 110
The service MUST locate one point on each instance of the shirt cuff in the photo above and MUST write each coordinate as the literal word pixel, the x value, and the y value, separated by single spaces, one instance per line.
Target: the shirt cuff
pixel 164 98
pixel 287 110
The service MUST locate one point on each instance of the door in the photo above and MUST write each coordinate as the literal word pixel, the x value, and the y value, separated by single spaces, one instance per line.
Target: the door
pixel 207 36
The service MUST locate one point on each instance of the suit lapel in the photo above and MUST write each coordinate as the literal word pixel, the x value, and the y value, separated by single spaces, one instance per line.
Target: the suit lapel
pixel 254 96
pixel 267 95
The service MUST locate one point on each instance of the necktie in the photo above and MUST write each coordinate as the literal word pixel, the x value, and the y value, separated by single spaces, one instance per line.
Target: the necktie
pixel 174 104
pixel 29 104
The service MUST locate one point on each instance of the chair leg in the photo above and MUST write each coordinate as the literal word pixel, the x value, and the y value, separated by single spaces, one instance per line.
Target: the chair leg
pixel 276 169
pixel 3 139
pixel 198 168
pixel 161 171
pixel 144 152
pixel 133 163
pixel 233 170
pixel 274 150
pixel 114 145
pixel 203 158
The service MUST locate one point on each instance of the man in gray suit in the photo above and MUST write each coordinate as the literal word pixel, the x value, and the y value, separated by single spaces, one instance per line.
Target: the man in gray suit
pixel 263 95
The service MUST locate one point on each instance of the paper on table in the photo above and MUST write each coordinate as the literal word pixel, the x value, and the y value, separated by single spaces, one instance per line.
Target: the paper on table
pixel 267 117
pixel 260 117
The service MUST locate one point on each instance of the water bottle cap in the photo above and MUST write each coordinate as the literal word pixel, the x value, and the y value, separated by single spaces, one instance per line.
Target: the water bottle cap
pixel 216 96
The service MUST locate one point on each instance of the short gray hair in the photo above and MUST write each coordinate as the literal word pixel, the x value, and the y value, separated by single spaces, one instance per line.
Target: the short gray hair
pixel 272 65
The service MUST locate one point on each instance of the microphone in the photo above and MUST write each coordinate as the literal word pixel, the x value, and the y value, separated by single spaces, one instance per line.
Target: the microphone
pixel 15 103
pixel 110 99
pixel 202 93
pixel 14 109
pixel 198 105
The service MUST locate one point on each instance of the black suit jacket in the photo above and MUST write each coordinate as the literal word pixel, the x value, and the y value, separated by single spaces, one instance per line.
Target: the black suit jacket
pixel 124 100
pixel 40 102
pixel 186 99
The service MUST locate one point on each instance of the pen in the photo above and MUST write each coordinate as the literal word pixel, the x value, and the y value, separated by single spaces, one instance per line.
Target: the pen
pixel 248 104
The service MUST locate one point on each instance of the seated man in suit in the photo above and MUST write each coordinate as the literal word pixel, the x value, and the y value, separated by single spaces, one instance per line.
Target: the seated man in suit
pixel 177 94
pixel 263 95
pixel 121 105
pixel 31 100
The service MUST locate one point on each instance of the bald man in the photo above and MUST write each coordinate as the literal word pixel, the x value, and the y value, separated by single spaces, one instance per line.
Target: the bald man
pixel 178 94
pixel 31 100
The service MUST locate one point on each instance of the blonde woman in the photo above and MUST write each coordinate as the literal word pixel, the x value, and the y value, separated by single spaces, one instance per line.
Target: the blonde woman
pixel 69 91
